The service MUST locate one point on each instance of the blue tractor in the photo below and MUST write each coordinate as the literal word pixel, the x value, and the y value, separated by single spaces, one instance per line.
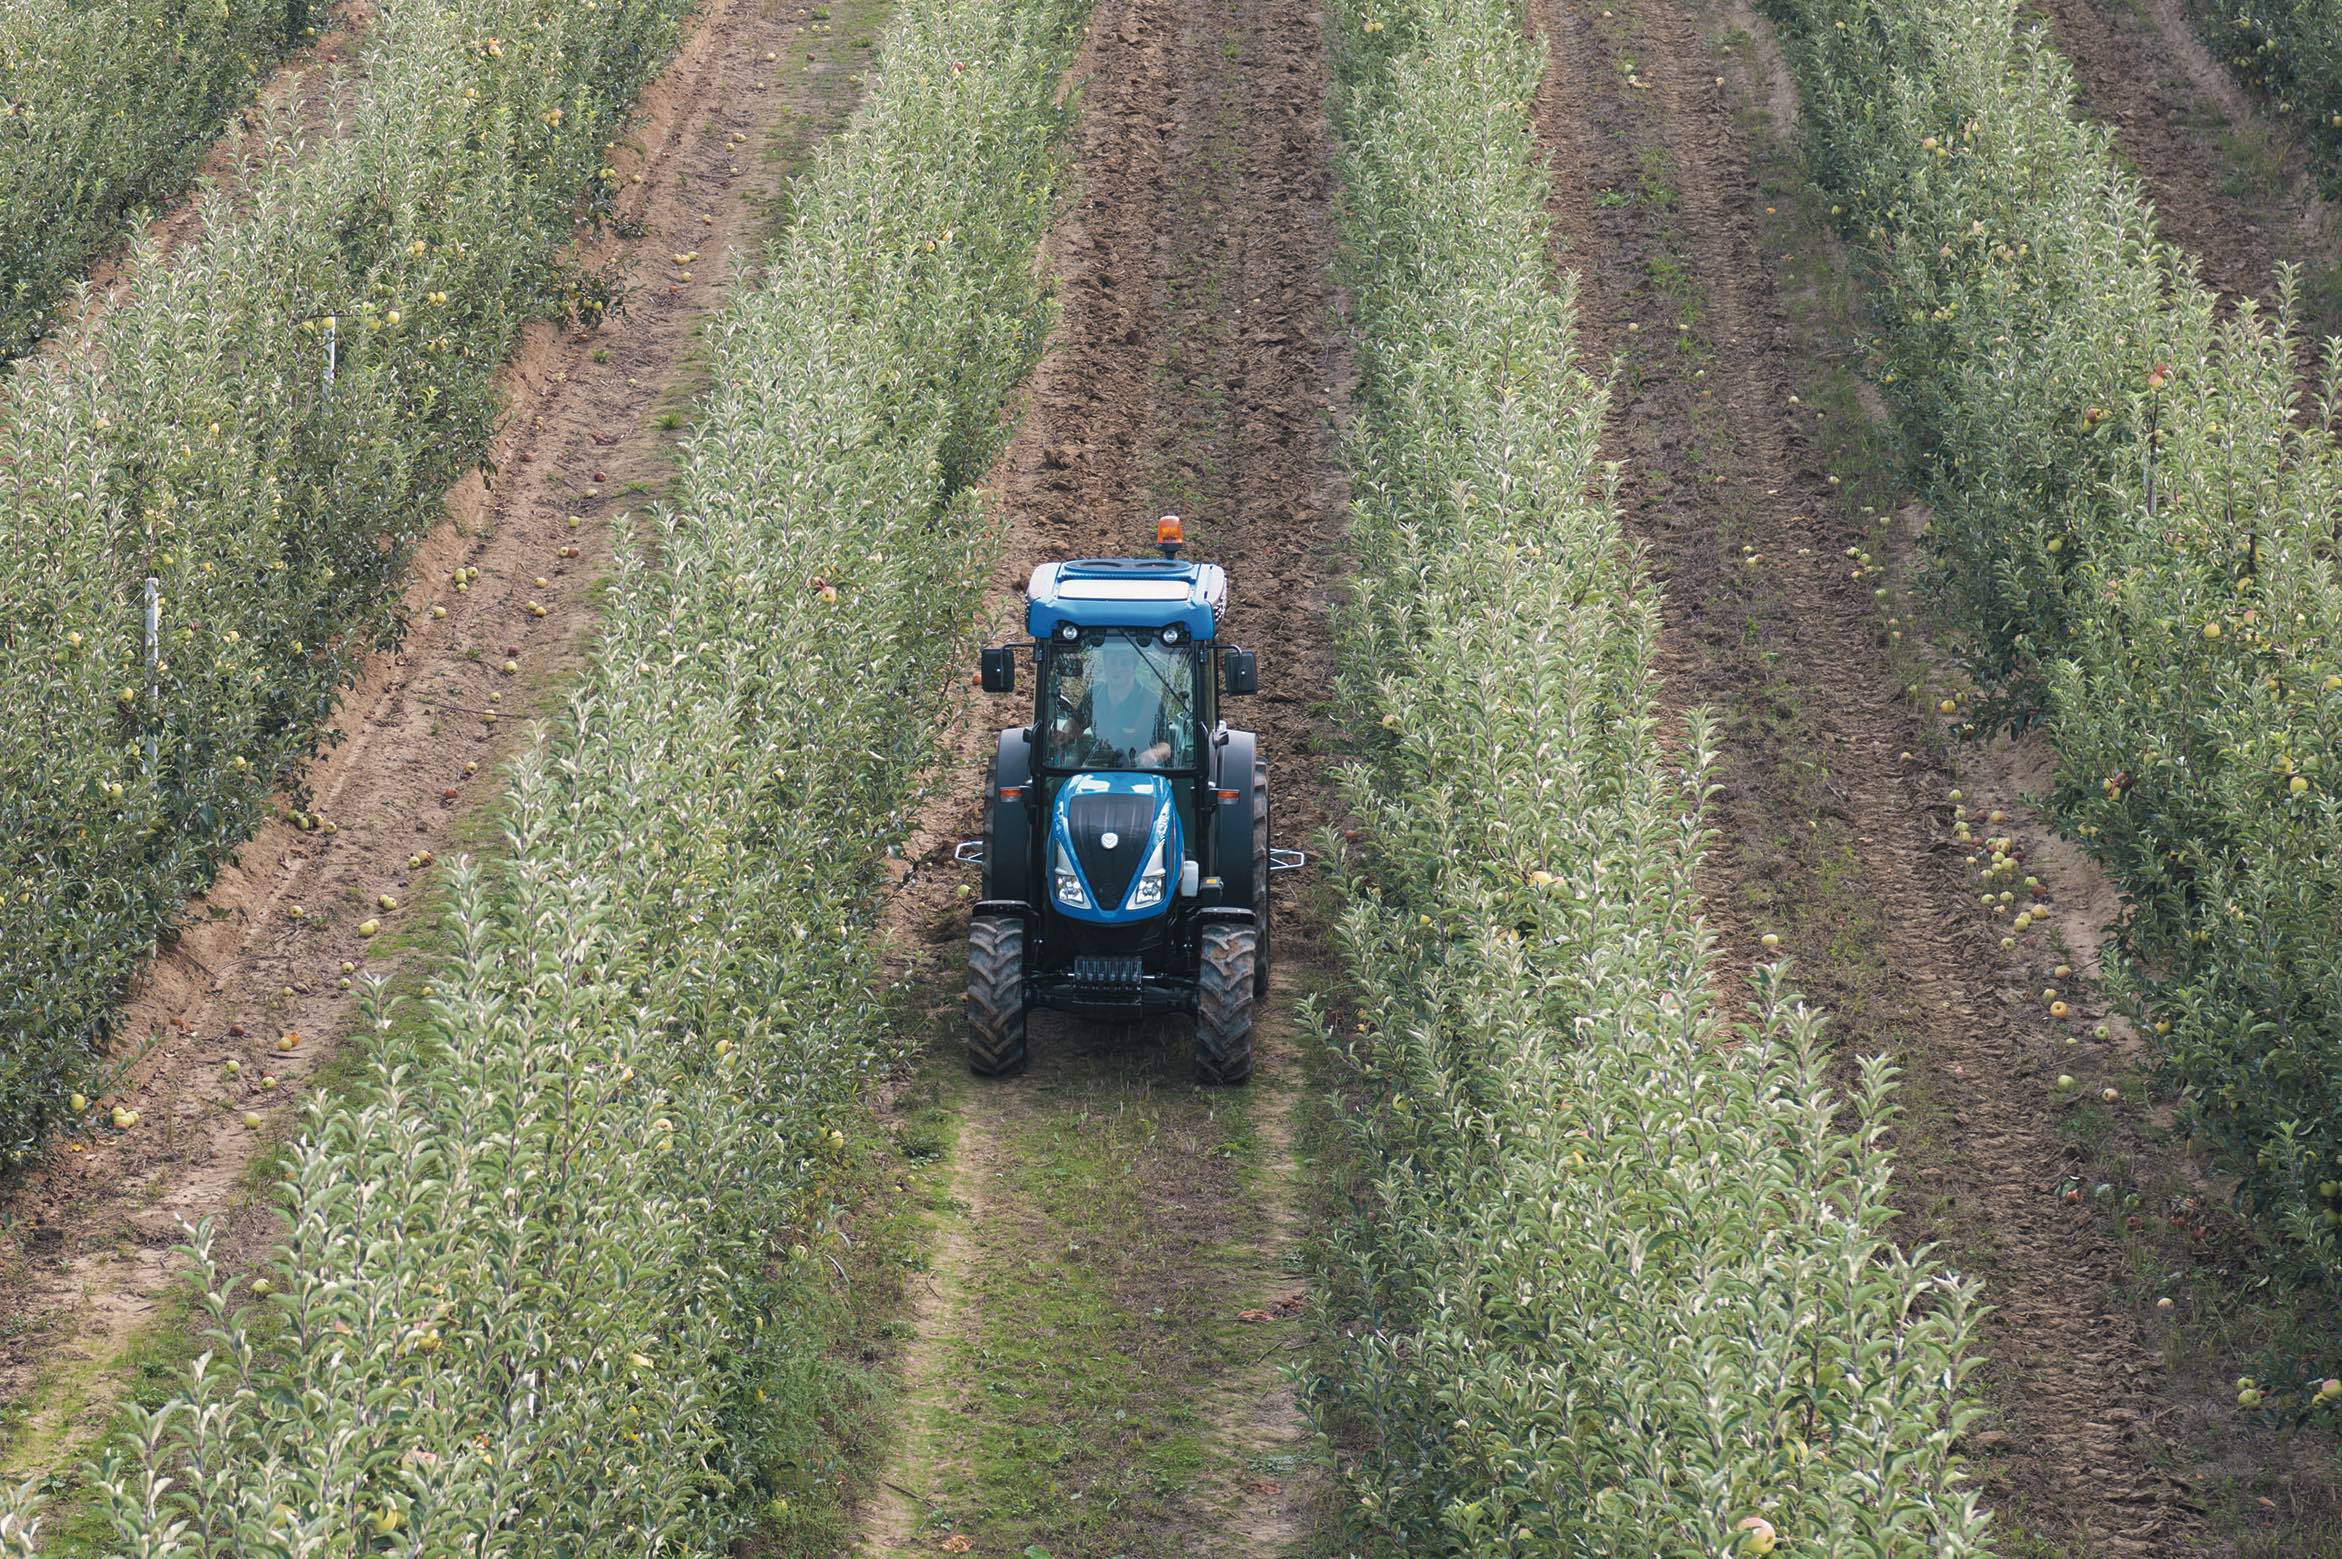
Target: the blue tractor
pixel 1126 839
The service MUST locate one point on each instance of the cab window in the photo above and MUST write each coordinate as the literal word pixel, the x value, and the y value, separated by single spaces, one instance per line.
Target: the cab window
pixel 1119 701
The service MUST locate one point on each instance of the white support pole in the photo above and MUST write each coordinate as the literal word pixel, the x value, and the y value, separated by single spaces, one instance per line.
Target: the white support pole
pixel 154 658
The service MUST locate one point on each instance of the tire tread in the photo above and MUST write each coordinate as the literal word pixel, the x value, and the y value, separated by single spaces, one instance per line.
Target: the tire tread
pixel 1224 1006
pixel 996 996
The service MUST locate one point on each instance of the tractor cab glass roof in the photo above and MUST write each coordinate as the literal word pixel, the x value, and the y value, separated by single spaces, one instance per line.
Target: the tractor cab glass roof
pixel 1119 700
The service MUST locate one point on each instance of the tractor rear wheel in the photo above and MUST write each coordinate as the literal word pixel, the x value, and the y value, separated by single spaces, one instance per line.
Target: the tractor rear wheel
pixel 1260 878
pixel 1223 1007
pixel 996 995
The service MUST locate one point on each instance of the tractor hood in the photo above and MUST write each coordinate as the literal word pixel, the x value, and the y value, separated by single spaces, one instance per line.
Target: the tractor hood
pixel 1114 848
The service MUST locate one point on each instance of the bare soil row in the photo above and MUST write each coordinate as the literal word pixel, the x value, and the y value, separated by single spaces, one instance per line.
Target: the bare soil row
pixel 1194 370
pixel 1826 770
pixel 1672 130
pixel 2231 185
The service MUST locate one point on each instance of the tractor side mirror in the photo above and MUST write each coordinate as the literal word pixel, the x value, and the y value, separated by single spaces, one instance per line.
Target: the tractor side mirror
pixel 1000 669
pixel 1239 671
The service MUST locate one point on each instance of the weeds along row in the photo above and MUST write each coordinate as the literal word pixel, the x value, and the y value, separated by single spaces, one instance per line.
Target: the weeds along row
pixel 1620 1281
pixel 2135 517
pixel 262 430
pixel 105 108
pixel 548 1281
pixel 2289 52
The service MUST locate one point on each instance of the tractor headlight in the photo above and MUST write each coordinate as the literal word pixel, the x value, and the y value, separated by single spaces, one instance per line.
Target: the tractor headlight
pixel 1068 881
pixel 1149 891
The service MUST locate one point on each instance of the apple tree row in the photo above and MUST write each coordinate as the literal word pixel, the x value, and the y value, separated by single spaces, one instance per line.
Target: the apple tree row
pixel 1621 1280
pixel 263 428
pixel 2135 506
pixel 105 108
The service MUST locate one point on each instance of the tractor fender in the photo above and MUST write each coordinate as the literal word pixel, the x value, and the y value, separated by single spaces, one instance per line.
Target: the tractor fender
pixel 1008 825
pixel 1231 827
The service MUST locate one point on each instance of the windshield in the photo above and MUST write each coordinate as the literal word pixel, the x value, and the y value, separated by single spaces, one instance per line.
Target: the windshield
pixel 1119 701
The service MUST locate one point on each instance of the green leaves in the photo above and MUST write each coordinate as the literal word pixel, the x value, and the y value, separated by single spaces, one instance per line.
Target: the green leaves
pixel 1620 1278
pixel 190 435
pixel 103 109
pixel 530 1296
pixel 2288 52
pixel 2135 507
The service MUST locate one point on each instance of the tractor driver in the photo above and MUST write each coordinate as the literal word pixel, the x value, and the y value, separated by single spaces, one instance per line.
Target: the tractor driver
pixel 1128 715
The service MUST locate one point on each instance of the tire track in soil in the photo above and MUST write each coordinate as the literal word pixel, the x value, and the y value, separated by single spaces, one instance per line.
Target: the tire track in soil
pixel 1193 370
pixel 2141 70
pixel 1655 203
pixel 88 1234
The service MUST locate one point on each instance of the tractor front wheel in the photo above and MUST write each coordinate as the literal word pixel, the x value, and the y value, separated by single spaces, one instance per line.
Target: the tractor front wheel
pixel 996 995
pixel 1223 1008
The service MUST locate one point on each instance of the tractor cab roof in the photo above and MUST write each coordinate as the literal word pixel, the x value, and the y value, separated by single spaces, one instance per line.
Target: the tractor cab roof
pixel 1126 593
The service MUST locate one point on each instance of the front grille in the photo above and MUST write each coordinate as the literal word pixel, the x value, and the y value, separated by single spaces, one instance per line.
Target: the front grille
pixel 1131 819
pixel 1108 973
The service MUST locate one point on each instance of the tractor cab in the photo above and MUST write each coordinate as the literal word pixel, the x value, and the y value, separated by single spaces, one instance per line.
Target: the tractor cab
pixel 1126 846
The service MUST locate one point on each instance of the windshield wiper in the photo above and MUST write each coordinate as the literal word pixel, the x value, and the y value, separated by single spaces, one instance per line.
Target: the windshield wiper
pixel 1147 659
